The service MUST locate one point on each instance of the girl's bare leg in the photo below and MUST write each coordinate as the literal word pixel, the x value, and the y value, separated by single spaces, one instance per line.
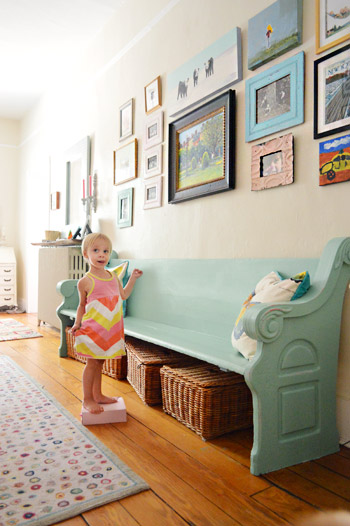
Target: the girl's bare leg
pixel 97 388
pixel 91 371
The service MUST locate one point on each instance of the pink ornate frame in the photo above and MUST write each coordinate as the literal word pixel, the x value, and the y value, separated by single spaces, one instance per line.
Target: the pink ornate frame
pixel 285 176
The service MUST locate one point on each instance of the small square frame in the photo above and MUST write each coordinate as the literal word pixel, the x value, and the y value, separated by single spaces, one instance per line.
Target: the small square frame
pixel 272 163
pixel 154 130
pixel 321 30
pixel 125 163
pixel 292 68
pixel 333 63
pixel 153 161
pixel 126 120
pixel 153 192
pixel 153 95
pixel 125 208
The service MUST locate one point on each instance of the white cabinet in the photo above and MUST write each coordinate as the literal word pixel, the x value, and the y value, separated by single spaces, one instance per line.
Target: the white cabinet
pixel 8 283
pixel 56 264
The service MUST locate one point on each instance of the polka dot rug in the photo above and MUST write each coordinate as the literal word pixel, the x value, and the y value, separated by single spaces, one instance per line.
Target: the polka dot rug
pixel 51 467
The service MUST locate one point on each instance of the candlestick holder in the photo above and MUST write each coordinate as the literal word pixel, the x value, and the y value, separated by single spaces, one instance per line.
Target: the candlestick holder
pixel 90 203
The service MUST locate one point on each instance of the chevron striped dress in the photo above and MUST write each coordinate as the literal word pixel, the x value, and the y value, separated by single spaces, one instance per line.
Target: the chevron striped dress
pixel 101 334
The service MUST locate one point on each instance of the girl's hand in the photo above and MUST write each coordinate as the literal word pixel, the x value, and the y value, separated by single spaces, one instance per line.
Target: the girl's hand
pixel 136 273
pixel 74 328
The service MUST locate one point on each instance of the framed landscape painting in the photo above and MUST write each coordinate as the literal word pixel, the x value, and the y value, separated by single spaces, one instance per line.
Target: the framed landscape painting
pixel 332 23
pixel 201 150
pixel 332 93
pixel 275 98
pixel 206 74
pixel 274 31
pixel 334 160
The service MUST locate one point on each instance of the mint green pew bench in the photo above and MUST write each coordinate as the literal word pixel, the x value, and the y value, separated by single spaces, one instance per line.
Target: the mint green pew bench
pixel 190 306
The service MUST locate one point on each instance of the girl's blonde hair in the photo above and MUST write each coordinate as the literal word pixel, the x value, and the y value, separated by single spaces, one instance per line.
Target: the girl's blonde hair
pixel 90 240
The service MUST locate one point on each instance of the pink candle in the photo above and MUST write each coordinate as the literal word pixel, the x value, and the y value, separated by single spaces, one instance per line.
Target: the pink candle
pixel 83 188
pixel 90 185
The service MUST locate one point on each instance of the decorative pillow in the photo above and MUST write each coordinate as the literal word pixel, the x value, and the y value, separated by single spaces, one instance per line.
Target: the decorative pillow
pixel 121 272
pixel 273 288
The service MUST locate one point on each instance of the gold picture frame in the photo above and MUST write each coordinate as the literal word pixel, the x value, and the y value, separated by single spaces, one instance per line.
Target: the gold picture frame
pixel 153 95
pixel 125 163
pixel 336 37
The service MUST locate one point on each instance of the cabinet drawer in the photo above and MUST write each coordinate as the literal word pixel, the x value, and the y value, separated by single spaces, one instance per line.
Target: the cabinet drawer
pixel 7 270
pixel 5 290
pixel 7 280
pixel 7 299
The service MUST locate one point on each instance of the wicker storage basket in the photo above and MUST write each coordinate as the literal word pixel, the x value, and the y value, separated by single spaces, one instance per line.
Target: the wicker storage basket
pixel 114 367
pixel 207 400
pixel 144 362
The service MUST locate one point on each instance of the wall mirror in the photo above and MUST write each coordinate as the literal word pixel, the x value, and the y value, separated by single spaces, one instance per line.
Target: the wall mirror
pixel 77 160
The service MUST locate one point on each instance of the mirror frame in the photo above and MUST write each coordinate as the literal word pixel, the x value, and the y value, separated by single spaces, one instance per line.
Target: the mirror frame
pixel 80 151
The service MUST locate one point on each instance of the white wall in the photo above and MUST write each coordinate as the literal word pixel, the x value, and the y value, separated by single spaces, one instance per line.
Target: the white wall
pixel 144 40
pixel 9 211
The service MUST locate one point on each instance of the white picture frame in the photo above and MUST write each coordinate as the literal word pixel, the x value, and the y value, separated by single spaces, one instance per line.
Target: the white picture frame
pixel 154 129
pixel 153 192
pixel 126 118
pixel 153 161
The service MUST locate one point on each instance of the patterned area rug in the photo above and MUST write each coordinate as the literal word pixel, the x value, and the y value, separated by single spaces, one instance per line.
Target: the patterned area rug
pixel 11 329
pixel 51 467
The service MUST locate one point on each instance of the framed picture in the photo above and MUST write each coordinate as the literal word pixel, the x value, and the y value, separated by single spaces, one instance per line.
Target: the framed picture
pixel 125 205
pixel 334 160
pixel 332 93
pixel 153 161
pixel 55 201
pixel 332 23
pixel 153 95
pixel 275 98
pixel 274 31
pixel 202 150
pixel 212 70
pixel 272 163
pixel 153 192
pixel 125 163
pixel 126 112
pixel 154 130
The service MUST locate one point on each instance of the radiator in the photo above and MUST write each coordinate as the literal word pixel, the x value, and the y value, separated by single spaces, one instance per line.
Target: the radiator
pixel 56 264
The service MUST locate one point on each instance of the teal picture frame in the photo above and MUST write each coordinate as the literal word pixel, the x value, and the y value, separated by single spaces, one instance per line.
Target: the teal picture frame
pixel 125 208
pixel 289 74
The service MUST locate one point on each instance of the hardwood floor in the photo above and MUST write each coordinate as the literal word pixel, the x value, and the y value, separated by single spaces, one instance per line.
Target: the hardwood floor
pixel 192 482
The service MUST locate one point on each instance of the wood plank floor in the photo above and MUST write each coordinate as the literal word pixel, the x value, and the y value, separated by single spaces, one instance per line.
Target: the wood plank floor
pixel 192 482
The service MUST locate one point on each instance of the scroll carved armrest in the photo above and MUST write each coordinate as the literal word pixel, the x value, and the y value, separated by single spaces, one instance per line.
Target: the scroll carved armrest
pixel 265 322
pixel 69 291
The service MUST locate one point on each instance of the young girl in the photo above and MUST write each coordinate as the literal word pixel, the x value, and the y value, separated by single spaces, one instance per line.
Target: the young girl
pixel 99 326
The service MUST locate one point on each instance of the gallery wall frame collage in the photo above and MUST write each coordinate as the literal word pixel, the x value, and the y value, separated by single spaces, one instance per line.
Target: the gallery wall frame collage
pixel 201 110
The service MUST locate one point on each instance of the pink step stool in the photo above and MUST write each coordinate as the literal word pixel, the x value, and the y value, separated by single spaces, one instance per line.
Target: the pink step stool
pixel 112 413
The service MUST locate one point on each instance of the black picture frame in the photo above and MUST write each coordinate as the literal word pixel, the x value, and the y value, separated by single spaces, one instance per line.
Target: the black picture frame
pixel 223 107
pixel 323 129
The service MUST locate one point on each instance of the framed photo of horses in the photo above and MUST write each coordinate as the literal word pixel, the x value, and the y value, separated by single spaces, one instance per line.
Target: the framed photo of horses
pixel 202 150
pixel 209 72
